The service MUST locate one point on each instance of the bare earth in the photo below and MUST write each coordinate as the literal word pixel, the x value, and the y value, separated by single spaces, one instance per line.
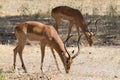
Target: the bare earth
pixel 94 63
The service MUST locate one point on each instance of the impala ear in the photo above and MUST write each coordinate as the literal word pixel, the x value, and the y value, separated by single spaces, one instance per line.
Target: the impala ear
pixel 88 33
pixel 91 33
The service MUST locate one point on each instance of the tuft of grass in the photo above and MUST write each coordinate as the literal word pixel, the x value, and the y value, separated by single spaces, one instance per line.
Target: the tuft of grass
pixel 2 77
pixel 24 10
pixel 119 61
pixel 0 6
pixel 36 15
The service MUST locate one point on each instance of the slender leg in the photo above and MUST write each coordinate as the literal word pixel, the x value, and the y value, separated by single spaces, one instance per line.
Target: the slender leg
pixel 78 30
pixel 14 59
pixel 42 56
pixel 55 59
pixel 57 22
pixel 21 43
pixel 70 27
pixel 20 50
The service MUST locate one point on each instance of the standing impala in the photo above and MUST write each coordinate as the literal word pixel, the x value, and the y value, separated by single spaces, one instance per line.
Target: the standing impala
pixel 74 16
pixel 46 35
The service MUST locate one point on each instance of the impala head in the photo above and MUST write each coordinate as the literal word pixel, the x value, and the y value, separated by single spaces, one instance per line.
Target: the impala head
pixel 90 34
pixel 68 61
pixel 67 64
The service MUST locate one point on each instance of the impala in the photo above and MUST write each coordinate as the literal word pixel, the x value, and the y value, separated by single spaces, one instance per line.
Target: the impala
pixel 46 35
pixel 74 16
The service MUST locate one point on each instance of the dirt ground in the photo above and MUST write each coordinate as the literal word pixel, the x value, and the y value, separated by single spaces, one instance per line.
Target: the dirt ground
pixel 93 63
pixel 99 62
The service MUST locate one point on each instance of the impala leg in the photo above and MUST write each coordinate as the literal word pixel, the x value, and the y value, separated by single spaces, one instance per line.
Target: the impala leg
pixel 57 22
pixel 55 59
pixel 14 59
pixel 78 30
pixel 42 56
pixel 21 47
pixel 70 28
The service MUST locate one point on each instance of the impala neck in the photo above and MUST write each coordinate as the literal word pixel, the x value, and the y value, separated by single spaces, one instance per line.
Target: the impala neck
pixel 62 53
pixel 84 26
pixel 85 29
pixel 88 34
pixel 59 47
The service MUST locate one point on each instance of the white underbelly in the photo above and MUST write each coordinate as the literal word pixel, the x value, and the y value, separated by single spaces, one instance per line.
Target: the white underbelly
pixel 33 38
pixel 65 20
pixel 33 42
pixel 64 17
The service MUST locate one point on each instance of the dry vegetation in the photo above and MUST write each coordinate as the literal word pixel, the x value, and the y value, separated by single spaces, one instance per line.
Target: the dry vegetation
pixel 100 62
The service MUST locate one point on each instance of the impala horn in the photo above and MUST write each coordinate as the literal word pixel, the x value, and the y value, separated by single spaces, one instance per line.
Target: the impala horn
pixel 78 43
pixel 89 22
pixel 65 44
pixel 96 26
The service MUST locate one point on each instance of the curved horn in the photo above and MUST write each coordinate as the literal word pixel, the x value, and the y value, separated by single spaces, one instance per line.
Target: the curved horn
pixel 66 42
pixel 89 22
pixel 96 26
pixel 78 49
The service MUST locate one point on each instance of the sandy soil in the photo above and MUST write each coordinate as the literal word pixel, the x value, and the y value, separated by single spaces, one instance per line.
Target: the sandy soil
pixel 94 63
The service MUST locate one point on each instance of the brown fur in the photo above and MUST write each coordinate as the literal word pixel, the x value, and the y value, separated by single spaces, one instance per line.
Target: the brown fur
pixel 46 35
pixel 74 16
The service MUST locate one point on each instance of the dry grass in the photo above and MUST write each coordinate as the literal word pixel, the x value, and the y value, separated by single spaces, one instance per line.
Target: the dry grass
pixel 10 7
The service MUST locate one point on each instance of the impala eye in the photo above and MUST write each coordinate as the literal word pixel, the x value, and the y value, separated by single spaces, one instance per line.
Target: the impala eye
pixel 67 61
pixel 73 52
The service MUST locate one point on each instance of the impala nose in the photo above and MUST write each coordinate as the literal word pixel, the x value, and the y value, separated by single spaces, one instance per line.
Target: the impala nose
pixel 67 71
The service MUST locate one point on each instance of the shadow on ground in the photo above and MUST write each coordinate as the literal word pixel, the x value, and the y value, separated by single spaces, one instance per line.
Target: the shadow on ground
pixel 107 32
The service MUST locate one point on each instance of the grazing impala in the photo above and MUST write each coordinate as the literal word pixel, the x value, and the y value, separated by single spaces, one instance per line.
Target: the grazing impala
pixel 46 35
pixel 74 16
